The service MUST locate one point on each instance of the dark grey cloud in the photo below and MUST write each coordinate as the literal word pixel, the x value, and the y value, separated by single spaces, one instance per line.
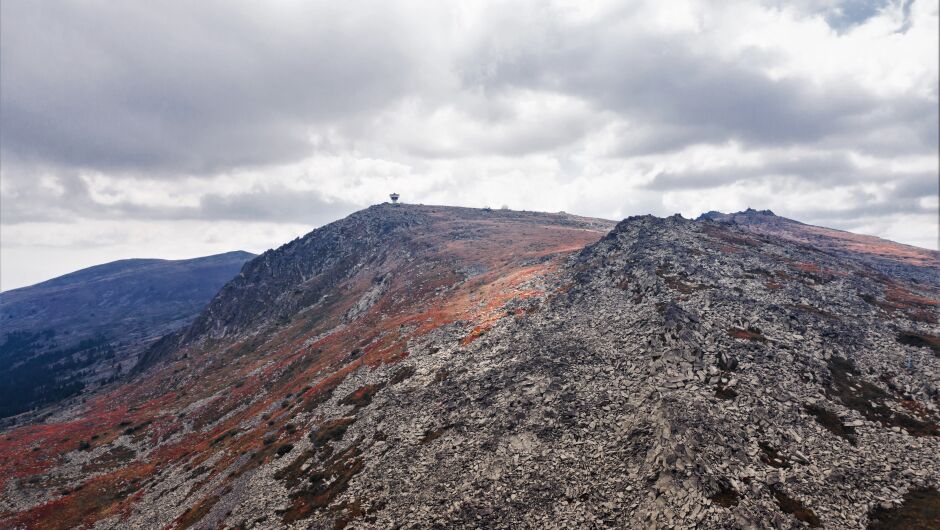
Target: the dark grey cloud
pixel 34 202
pixel 822 169
pixel 898 192
pixel 277 205
pixel 182 87
pixel 842 217
pixel 190 87
pixel 679 95
pixel 925 185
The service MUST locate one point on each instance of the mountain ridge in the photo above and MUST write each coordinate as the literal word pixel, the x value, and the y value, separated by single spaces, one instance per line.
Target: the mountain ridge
pixel 328 255
pixel 507 369
pixel 918 263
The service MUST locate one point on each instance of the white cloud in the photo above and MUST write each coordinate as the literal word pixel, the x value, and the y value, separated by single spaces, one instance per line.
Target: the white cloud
pixel 253 122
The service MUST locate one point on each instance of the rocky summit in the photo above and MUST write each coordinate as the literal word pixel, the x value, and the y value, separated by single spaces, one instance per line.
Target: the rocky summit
pixel 433 367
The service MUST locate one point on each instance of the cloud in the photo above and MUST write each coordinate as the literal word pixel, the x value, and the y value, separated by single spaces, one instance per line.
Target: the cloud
pixel 90 198
pixel 138 115
pixel 184 87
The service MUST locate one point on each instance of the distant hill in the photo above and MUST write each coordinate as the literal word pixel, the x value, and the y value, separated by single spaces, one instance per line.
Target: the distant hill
pixel 84 328
pixel 895 259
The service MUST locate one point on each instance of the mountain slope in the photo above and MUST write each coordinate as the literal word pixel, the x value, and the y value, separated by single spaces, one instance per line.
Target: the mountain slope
pixel 896 259
pixel 469 368
pixel 82 328
pixel 353 262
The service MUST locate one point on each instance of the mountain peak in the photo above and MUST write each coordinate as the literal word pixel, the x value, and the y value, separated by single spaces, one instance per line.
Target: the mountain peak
pixel 379 240
pixel 752 211
pixel 747 213
pixel 416 364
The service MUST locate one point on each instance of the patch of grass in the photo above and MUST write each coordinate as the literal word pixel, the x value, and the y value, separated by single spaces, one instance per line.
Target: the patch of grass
pixel 113 458
pixel 363 396
pixel 86 503
pixel 194 514
pixel 136 428
pixel 330 430
pixel 323 485
pixel 320 394
pixel 221 438
pixel 920 510
pixel 832 422
pixel 915 307
pixel 772 457
pixel 292 474
pixel 726 496
pixel 433 434
pixel 348 511
pixel 751 333
pixel 795 508
pixel 813 272
pixel 917 408
pixel 869 399
pixel 920 340
pixel 401 374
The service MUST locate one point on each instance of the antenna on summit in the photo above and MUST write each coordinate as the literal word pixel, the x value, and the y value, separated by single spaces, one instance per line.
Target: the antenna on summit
pixel 394 197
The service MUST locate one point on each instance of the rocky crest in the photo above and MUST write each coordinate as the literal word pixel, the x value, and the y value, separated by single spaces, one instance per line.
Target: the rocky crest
pixel 468 368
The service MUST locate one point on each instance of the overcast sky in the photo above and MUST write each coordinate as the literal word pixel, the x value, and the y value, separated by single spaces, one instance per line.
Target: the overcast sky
pixel 179 129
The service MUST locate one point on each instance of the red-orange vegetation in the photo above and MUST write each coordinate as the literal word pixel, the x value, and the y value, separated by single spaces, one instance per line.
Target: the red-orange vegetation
pixel 194 514
pixel 324 484
pixel 99 497
pixel 362 396
pixel 732 240
pixel 747 334
pixel 917 307
pixel 875 246
pixel 470 271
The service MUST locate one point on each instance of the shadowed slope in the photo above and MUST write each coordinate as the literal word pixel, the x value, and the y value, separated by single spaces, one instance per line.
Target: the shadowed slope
pixel 84 328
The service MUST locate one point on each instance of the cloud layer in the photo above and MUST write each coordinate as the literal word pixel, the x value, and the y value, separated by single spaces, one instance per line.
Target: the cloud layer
pixel 124 120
